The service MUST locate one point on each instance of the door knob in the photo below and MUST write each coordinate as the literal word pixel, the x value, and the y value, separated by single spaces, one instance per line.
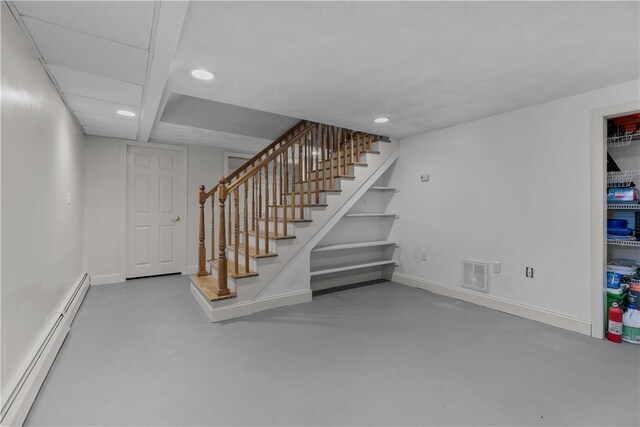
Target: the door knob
pixel 176 219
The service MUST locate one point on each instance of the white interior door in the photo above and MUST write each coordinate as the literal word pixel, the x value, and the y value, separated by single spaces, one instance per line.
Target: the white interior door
pixel 154 226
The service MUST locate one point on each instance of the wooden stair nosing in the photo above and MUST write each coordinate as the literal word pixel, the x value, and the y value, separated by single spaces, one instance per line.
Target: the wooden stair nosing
pixel 304 193
pixel 292 220
pixel 272 236
pixel 312 205
pixel 208 286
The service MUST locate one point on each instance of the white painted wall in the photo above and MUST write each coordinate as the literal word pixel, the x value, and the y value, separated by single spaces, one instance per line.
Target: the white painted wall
pixel 42 236
pixel 512 188
pixel 105 197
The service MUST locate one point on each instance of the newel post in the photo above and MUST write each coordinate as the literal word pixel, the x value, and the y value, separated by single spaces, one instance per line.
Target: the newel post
pixel 202 250
pixel 222 243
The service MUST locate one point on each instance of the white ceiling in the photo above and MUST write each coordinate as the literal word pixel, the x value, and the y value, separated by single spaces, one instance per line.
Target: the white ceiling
pixel 97 53
pixel 427 65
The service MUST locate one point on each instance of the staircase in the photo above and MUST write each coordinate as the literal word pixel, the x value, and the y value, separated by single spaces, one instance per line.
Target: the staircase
pixel 262 221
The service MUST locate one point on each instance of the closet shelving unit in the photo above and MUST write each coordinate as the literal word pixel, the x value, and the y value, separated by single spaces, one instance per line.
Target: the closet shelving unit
pixel 359 247
pixel 624 149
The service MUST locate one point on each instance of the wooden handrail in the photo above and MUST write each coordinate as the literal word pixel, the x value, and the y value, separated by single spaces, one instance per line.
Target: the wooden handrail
pixel 252 160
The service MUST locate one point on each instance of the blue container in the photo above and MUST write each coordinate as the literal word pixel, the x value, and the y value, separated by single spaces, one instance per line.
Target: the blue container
pixel 620 231
pixel 616 223
pixel 613 279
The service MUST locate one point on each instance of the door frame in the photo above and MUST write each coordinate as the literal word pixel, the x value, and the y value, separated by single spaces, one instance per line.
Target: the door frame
pixel 182 202
pixel 598 213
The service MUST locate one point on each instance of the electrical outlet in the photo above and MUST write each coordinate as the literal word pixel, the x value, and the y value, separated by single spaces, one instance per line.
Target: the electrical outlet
pixel 497 267
pixel 528 272
pixel 424 256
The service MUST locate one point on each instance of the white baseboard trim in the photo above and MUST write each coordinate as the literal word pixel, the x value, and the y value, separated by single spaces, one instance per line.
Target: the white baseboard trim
pixel 276 301
pixel 247 308
pixel 22 390
pixel 521 310
pixel 106 279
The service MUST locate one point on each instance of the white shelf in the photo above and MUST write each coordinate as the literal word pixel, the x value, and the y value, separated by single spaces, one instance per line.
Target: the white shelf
pixel 343 246
pixel 346 267
pixel 370 214
pixel 624 206
pixel 378 188
pixel 624 243
pixel 623 140
pixel 622 178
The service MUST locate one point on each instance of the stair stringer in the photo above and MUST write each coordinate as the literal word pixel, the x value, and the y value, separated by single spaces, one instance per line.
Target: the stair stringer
pixel 285 280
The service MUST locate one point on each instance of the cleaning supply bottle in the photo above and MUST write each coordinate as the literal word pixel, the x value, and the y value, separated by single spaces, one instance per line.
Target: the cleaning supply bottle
pixel 631 326
pixel 615 323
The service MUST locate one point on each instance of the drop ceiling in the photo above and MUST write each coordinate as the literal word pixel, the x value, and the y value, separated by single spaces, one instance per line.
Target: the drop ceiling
pixel 427 65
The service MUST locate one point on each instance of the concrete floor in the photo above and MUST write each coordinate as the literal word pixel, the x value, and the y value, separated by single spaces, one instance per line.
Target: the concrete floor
pixel 143 353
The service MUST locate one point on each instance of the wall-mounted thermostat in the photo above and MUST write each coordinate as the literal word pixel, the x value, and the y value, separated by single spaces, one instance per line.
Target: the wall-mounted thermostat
pixel 424 177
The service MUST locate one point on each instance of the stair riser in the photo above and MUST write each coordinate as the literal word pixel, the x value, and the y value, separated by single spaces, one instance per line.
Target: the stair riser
pixel 280 210
pixel 290 198
pixel 290 227
pixel 312 184
pixel 254 263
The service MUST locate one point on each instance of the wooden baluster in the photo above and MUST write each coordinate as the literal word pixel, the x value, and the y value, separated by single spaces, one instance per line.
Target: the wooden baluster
pixel 202 249
pixel 358 148
pixel 246 226
pixel 253 203
pixel 230 224
pixel 285 161
pixel 331 171
pixel 308 141
pixel 266 210
pixel 351 151
pixel 316 152
pixel 300 175
pixel 323 134
pixel 274 173
pixel 338 133
pixel 222 244
pixel 281 187
pixel 255 209
pixel 344 149
pixel 260 193
pixel 293 181
pixel 236 237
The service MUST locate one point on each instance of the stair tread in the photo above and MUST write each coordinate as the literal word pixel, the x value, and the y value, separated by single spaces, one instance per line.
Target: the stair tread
pixel 313 205
pixel 272 236
pixel 252 252
pixel 280 219
pixel 209 286
pixel 327 178
pixel 241 273
pixel 319 191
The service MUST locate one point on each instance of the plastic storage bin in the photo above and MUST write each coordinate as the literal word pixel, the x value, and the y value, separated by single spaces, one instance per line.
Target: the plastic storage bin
pixel 616 223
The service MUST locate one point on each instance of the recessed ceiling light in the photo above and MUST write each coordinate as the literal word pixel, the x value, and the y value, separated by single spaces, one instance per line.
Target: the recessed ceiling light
pixel 202 74
pixel 126 113
pixel 381 119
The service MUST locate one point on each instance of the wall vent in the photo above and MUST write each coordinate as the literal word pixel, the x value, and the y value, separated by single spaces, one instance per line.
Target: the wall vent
pixel 475 275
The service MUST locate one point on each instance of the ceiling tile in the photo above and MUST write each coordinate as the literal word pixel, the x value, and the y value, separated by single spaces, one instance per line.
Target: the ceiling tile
pixel 105 122
pixel 112 133
pixel 60 46
pixel 126 22
pixel 83 104
pixel 85 84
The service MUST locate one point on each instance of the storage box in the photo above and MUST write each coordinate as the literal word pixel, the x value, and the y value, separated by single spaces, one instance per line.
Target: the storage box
pixel 620 194
pixel 617 223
